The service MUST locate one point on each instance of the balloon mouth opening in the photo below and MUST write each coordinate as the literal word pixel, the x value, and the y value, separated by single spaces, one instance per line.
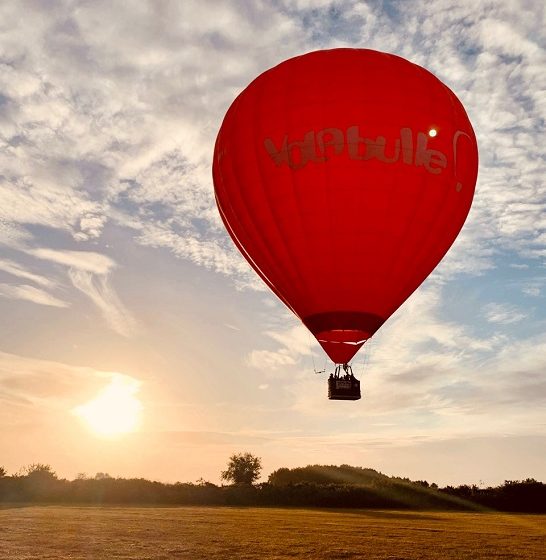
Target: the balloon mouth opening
pixel 341 344
pixel 342 333
pixel 343 336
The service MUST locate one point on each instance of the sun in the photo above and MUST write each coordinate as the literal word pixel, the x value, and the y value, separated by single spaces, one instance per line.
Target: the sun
pixel 115 411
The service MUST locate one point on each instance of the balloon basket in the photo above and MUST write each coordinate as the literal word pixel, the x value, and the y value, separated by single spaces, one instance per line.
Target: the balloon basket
pixel 343 387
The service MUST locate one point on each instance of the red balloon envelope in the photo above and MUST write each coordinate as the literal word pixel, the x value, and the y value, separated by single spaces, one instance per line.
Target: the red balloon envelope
pixel 344 176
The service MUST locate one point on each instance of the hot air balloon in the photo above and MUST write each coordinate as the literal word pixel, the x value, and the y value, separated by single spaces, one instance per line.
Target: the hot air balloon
pixel 344 176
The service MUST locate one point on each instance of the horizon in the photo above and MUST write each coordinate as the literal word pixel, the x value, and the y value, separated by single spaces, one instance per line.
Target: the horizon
pixel 261 476
pixel 137 341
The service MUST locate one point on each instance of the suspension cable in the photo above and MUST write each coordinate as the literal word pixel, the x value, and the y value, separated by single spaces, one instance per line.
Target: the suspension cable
pixel 313 356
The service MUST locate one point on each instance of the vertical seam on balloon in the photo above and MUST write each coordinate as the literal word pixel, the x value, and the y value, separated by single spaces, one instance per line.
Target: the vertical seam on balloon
pixel 425 247
pixel 241 226
pixel 426 183
pixel 390 206
pixel 326 176
pixel 307 289
pixel 224 203
pixel 296 273
pixel 366 295
pixel 394 183
pixel 253 264
pixel 426 242
pixel 388 276
pixel 257 233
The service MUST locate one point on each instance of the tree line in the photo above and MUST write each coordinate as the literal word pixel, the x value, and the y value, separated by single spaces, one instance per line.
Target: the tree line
pixel 312 486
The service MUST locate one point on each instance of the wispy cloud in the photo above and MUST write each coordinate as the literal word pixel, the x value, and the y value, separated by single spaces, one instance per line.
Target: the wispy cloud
pixel 14 269
pixel 503 313
pixel 437 377
pixel 87 261
pixel 292 344
pixel 32 294
pixel 533 288
pixel 12 234
pixel 89 273
pixel 273 360
pixel 98 289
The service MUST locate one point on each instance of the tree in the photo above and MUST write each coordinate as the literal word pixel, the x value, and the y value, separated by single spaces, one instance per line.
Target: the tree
pixel 243 468
pixel 3 472
pixel 39 471
pixel 102 476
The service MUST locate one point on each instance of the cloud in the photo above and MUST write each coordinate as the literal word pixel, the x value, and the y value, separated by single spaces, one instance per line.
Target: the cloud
pixel 99 131
pixel 436 377
pixel 200 439
pixel 117 135
pixel 32 294
pixel 215 254
pixel 503 313
pixel 273 360
pixel 87 261
pixel 12 234
pixel 420 369
pixel 11 267
pixel 89 273
pixel 48 195
pixel 532 289
pixel 292 344
pixel 99 291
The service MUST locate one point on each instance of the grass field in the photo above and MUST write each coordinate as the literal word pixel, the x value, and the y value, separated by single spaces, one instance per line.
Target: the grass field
pixel 200 533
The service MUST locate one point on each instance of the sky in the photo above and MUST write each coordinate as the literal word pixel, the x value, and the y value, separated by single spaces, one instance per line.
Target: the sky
pixel 135 340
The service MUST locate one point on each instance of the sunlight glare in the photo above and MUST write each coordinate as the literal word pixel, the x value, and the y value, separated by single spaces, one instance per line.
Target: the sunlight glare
pixel 115 411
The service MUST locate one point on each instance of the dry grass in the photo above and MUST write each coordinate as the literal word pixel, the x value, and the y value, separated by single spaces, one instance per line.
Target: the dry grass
pixel 199 533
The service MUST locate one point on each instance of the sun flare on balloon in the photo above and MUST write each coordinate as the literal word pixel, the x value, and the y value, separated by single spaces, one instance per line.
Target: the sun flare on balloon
pixel 115 411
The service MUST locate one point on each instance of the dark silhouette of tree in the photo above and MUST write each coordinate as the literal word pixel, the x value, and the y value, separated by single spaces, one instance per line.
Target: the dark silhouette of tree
pixel 312 486
pixel 39 471
pixel 102 476
pixel 3 472
pixel 38 482
pixel 243 469
pixel 327 474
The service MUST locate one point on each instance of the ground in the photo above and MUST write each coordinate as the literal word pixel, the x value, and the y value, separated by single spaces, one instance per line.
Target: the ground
pixel 199 533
